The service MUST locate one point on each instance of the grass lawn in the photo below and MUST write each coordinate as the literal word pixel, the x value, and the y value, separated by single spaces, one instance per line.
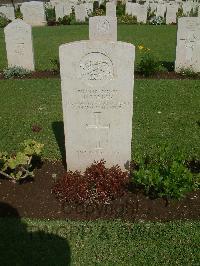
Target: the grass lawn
pixel 164 111
pixel 160 39
pixel 31 242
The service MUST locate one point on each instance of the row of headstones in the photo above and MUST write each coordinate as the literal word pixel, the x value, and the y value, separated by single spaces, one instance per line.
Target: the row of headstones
pixel 82 11
pixel 97 79
pixel 169 10
pixel 19 45
pixel 34 12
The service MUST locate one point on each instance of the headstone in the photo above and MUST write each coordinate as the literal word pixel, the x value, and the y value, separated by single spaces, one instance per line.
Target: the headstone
pixel 103 28
pixel 80 13
pixel 89 8
pixel 187 7
pixel 97 79
pixel 142 14
pixel 134 10
pixel 8 12
pixel 110 9
pixel 34 13
pixel 172 11
pixel 161 10
pixel 129 8
pixel 62 10
pixel 19 47
pixel 188 44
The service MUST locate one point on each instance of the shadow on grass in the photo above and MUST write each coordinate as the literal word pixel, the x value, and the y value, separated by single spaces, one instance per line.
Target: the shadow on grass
pixel 58 129
pixel 29 244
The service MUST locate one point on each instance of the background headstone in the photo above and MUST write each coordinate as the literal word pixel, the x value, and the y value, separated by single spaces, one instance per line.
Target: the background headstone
pixel 160 10
pixel 188 44
pixel 80 13
pixel 34 13
pixel 97 79
pixel 103 28
pixel 19 47
pixel 172 11
pixel 142 14
pixel 8 12
pixel 110 9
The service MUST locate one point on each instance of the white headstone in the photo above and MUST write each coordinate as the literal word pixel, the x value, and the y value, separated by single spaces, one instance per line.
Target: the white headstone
pixel 8 12
pixel 97 79
pixel 19 47
pixel 110 9
pixel 62 10
pixel 103 28
pixel 80 13
pixel 187 7
pixel 172 10
pixel 161 10
pixel 142 14
pixel 89 8
pixel 34 13
pixel 134 9
pixel 188 44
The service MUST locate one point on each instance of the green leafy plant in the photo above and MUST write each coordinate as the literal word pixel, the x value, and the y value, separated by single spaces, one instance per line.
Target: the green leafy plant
pixel 66 20
pixel 50 15
pixel 166 175
pixel 18 13
pixel 15 72
pixel 55 65
pixel 148 64
pixel 3 21
pixel 127 19
pixel 19 166
pixel 120 9
pixel 98 12
pixel 180 13
pixel 187 72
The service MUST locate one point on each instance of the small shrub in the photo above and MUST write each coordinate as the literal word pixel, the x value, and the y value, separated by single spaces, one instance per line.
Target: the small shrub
pixel 166 175
pixel 18 13
pixel 120 9
pixel 55 65
pixel 50 15
pixel 3 21
pixel 15 72
pixel 66 20
pixel 180 13
pixel 157 21
pixel 20 166
pixel 95 5
pixel 97 184
pixel 187 72
pixel 148 64
pixel 98 12
pixel 127 19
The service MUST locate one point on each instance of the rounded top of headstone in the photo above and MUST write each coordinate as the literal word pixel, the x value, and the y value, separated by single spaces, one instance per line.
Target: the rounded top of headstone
pixel 16 23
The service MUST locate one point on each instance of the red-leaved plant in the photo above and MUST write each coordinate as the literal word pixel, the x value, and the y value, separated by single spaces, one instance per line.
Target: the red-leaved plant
pixel 97 184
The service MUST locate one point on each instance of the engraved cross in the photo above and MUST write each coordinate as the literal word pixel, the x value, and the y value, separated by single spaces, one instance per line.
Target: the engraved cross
pixel 97 126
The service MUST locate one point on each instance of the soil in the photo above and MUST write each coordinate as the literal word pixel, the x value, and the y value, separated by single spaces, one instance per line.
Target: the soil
pixel 33 199
pixel 158 75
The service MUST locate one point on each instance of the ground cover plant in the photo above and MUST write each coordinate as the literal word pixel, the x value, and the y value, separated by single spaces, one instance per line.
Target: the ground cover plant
pixel 136 34
pixel 164 111
pixel 166 174
pixel 98 184
pixel 19 166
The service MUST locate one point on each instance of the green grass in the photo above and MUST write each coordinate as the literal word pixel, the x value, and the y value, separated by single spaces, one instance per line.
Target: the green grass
pixel 31 242
pixel 164 111
pixel 160 39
